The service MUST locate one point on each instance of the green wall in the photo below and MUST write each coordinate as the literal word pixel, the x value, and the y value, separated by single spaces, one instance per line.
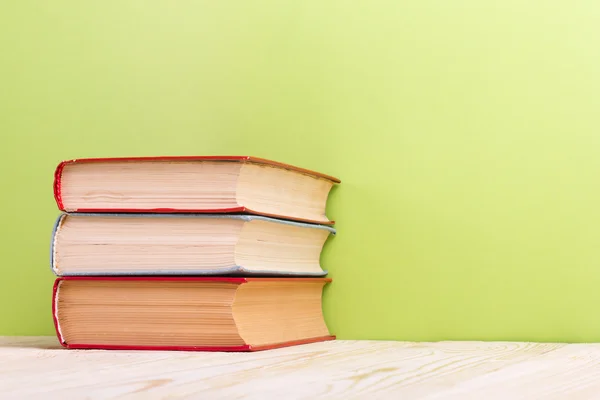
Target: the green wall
pixel 466 133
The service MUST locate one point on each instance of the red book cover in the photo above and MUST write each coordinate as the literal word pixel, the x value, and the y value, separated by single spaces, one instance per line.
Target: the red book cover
pixel 234 280
pixel 241 159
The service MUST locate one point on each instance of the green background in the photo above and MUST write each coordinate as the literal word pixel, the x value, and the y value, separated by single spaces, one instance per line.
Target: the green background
pixel 466 134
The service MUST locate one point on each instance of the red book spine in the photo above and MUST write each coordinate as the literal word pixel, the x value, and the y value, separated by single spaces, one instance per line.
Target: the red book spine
pixel 57 185
pixel 55 312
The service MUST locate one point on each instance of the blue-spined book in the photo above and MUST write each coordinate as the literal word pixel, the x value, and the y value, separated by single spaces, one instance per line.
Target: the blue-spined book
pixel 185 244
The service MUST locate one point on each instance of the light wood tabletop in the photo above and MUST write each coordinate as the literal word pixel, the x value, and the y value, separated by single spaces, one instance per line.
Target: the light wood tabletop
pixel 37 367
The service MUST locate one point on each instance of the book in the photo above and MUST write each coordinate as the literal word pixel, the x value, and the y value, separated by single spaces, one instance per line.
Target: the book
pixel 202 184
pixel 185 244
pixel 192 313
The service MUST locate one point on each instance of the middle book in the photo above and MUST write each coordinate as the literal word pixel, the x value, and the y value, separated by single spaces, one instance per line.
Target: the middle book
pixel 186 244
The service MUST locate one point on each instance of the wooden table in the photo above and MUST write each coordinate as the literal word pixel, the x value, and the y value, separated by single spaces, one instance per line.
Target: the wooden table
pixel 37 368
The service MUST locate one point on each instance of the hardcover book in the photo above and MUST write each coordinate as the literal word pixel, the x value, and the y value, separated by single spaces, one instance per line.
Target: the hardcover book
pixel 186 244
pixel 210 184
pixel 192 313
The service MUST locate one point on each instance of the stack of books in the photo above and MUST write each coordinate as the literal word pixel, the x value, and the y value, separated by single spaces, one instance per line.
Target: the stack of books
pixel 189 253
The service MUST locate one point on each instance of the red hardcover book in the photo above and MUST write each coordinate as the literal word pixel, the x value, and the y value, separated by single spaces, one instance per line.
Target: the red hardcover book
pixel 195 184
pixel 188 313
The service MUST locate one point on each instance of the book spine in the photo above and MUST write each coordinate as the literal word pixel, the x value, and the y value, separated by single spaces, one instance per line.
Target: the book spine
pixel 57 185
pixel 55 291
pixel 55 229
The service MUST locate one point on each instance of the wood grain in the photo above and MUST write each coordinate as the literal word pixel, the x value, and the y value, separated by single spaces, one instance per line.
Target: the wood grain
pixel 36 367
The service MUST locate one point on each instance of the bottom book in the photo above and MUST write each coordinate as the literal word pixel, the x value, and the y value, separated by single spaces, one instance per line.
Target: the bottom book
pixel 188 313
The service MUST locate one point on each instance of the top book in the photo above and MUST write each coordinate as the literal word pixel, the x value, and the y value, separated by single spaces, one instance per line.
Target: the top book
pixel 199 184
